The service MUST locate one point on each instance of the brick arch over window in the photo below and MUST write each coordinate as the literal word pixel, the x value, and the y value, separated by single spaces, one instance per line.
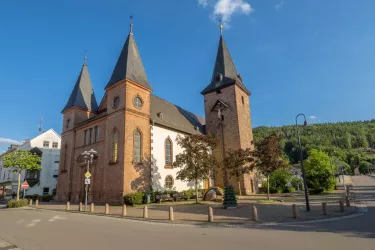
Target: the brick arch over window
pixel 168 151
pixel 115 143
pixel 137 146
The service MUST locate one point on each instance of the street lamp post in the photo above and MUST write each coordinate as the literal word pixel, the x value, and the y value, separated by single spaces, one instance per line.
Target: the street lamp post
pixel 88 156
pixel 301 156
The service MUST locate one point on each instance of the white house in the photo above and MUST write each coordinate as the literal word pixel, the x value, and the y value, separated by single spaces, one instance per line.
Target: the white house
pixel 47 145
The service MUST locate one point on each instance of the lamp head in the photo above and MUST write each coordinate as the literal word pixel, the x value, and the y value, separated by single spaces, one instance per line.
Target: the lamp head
pixel 305 123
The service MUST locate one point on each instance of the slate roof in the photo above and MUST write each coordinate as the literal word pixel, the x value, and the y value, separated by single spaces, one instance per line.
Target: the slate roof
pixel 129 65
pixel 224 65
pixel 175 117
pixel 82 95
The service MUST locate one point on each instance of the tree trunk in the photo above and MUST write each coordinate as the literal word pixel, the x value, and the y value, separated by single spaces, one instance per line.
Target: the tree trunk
pixel 239 188
pixel 18 186
pixel 268 187
pixel 196 191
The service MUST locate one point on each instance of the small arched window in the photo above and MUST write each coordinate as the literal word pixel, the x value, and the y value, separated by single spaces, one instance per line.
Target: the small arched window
pixel 168 152
pixel 137 146
pixel 68 123
pixel 115 138
pixel 169 182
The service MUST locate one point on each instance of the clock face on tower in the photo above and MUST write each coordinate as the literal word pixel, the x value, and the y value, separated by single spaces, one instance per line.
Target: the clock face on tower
pixel 116 102
pixel 138 103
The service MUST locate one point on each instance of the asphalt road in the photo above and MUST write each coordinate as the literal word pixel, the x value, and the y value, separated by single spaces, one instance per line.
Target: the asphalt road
pixel 50 230
pixel 37 230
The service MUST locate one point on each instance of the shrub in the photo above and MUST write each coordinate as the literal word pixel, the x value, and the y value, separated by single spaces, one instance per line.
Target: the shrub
pixel 20 203
pixel 35 197
pixel 316 191
pixel 134 198
pixel 47 197
pixel 289 190
pixel 189 193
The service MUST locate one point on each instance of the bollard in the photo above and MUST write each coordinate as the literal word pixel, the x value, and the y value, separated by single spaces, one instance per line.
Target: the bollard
pixel 106 208
pixel 294 211
pixel 31 202
pixel 341 206
pixel 67 206
pixel 210 214
pixel 92 207
pixel 145 212
pixel 36 203
pixel 324 206
pixel 80 208
pixel 171 214
pixel 123 210
pixel 347 202
pixel 255 214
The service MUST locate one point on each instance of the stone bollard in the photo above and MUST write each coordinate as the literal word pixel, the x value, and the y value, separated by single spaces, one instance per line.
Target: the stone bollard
pixel 31 202
pixel 255 214
pixel 145 212
pixel 324 206
pixel 92 207
pixel 80 208
pixel 171 214
pixel 36 203
pixel 123 210
pixel 210 214
pixel 106 208
pixel 294 211
pixel 341 206
pixel 67 206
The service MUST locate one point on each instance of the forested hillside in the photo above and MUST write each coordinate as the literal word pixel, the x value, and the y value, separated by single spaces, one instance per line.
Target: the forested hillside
pixel 348 143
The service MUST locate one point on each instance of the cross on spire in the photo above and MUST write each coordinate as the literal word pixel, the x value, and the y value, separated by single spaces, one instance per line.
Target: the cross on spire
pixel 131 25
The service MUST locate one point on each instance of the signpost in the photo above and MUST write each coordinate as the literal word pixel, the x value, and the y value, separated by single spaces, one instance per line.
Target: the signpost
pixel 88 156
pixel 25 186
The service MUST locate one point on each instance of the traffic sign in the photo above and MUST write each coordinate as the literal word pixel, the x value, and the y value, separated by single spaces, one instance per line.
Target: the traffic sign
pixel 87 181
pixel 25 185
pixel 87 175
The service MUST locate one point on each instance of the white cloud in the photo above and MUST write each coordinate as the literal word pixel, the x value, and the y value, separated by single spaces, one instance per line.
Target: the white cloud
pixel 226 9
pixel 279 5
pixel 312 117
pixel 6 141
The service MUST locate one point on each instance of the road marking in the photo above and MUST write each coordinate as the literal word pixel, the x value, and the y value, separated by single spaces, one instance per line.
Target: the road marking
pixel 33 223
pixel 54 218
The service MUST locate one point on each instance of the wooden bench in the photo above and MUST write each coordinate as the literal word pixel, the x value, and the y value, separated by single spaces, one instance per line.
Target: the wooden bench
pixel 163 197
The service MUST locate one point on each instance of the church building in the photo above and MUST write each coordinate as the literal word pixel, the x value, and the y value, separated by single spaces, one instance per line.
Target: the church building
pixel 134 131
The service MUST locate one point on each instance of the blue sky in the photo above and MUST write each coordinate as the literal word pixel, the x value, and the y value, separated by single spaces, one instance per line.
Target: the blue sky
pixel 311 56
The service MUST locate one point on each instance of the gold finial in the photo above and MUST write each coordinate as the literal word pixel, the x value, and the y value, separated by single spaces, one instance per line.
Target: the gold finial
pixel 221 29
pixel 131 25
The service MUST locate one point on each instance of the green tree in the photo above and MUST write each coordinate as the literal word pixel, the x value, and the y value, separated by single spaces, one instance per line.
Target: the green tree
pixel 280 178
pixel 318 171
pixel 196 161
pixel 21 160
pixel 237 163
pixel 364 167
pixel 269 157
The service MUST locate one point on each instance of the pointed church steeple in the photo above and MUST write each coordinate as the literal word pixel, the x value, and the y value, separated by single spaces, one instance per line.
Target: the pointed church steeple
pixel 129 64
pixel 225 73
pixel 82 95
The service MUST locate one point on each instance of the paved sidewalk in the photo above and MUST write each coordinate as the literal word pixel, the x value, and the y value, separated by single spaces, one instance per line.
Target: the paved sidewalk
pixel 278 212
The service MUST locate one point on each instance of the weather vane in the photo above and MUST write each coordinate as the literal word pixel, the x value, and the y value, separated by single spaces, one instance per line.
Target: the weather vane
pixel 220 21
pixel 131 24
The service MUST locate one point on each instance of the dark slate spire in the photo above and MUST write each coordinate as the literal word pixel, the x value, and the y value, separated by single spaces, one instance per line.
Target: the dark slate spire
pixel 129 64
pixel 225 73
pixel 83 94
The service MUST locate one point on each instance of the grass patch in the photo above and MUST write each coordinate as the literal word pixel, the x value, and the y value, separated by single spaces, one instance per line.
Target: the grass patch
pixel 268 201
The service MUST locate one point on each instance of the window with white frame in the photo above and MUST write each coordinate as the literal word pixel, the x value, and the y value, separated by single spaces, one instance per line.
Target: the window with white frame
pixel 55 144
pixel 45 144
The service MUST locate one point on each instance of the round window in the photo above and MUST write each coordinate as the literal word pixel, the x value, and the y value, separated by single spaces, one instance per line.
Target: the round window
pixel 138 102
pixel 116 102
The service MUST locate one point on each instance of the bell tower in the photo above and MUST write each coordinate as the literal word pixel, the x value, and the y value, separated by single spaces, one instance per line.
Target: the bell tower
pixel 227 112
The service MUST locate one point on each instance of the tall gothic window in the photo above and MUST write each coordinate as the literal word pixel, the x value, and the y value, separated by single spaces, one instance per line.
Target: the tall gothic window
pixel 137 146
pixel 115 139
pixel 168 152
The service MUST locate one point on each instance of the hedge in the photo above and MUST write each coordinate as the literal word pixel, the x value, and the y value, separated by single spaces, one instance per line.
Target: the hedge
pixel 20 203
